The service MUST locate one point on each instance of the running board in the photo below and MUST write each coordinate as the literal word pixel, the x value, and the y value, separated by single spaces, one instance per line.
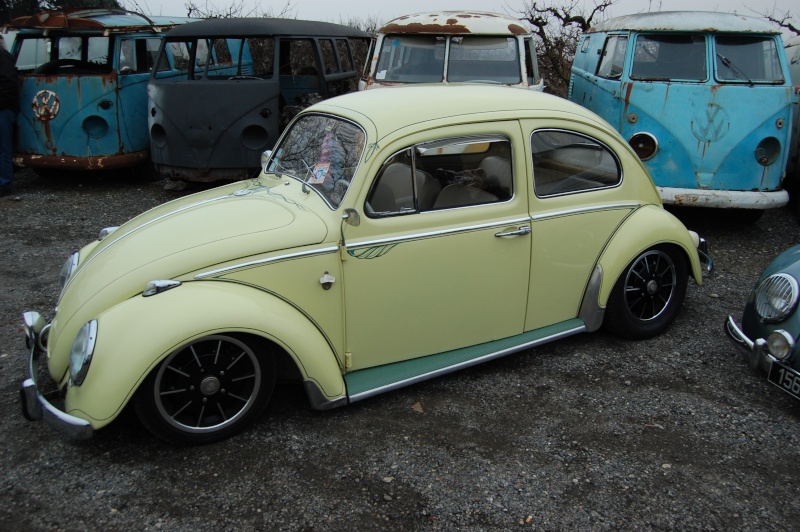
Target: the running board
pixel 368 382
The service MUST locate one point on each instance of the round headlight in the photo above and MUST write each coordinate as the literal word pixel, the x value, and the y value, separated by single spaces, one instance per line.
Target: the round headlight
pixel 81 354
pixel 780 344
pixel 644 144
pixel 776 297
pixel 68 268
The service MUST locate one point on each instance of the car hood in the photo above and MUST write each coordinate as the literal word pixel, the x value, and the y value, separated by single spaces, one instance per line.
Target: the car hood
pixel 179 238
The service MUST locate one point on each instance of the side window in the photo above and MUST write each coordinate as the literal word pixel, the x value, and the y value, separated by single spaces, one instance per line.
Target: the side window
pixel 137 55
pixel 344 54
pixel 565 162
pixel 258 57
pixel 298 58
pixel 443 175
pixel 328 56
pixel 613 57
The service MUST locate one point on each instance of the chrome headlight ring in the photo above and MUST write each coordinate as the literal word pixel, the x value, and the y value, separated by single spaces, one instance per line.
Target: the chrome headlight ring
pixel 776 297
pixel 80 356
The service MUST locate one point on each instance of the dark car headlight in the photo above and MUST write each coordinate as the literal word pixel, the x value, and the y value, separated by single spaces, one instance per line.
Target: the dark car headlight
pixel 776 297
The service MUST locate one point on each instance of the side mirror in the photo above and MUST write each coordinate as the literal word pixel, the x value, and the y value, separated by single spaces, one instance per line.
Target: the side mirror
pixel 351 217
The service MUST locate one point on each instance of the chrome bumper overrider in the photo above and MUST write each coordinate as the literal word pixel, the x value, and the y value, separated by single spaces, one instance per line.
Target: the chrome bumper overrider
pixel 755 350
pixel 34 405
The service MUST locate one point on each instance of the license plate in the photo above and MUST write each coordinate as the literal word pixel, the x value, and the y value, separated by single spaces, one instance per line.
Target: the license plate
pixel 785 378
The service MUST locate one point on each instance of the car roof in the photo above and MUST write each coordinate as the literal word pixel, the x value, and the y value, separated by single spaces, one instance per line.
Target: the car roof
pixel 698 21
pixel 457 23
pixel 393 108
pixel 252 27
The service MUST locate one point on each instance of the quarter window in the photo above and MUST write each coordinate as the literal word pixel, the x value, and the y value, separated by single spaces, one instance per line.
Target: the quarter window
pixel 443 175
pixel 565 163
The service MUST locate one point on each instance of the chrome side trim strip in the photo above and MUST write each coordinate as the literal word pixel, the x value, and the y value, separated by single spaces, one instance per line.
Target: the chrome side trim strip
pixel 465 364
pixel 438 233
pixel 205 275
pixel 632 205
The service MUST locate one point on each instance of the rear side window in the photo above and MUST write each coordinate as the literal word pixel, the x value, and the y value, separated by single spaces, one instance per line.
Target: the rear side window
pixel 613 57
pixel 670 57
pixel 446 174
pixel 565 162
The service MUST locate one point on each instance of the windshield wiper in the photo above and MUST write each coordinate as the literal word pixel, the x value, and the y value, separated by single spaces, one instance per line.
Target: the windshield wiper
pixel 734 68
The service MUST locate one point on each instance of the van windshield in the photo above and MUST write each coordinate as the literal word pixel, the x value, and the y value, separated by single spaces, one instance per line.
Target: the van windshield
pixel 669 57
pixel 322 151
pixel 747 59
pixel 67 52
pixel 411 59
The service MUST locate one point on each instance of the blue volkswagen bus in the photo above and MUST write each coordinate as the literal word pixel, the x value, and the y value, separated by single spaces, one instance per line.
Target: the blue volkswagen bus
pixel 83 87
pixel 704 99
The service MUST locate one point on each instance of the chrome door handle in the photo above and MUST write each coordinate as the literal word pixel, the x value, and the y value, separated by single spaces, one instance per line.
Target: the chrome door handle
pixel 524 230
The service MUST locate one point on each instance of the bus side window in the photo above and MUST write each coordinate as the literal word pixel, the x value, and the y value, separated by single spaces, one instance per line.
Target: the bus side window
pixel 613 57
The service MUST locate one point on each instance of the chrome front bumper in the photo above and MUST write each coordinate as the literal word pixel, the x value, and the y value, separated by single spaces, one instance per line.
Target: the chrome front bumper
pixel 35 406
pixel 755 350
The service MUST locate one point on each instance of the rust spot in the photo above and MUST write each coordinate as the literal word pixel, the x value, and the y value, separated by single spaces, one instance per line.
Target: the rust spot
pixel 417 27
pixel 516 29
pixel 628 90
pixel 81 163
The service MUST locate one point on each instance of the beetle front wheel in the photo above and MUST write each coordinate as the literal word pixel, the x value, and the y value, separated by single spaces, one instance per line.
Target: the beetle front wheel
pixel 205 391
pixel 648 295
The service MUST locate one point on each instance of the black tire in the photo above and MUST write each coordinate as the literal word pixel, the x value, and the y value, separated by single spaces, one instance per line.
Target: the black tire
pixel 206 390
pixel 648 295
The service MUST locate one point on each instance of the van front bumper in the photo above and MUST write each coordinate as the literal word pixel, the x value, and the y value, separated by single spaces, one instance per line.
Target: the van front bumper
pixel 35 407
pixel 723 199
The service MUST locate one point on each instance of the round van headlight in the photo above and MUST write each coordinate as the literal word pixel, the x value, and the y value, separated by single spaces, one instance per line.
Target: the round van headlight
pixel 776 297
pixel 80 357
pixel 645 145
pixel 68 269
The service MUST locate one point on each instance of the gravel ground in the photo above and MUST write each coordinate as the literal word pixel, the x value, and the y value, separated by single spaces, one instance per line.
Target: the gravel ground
pixel 592 432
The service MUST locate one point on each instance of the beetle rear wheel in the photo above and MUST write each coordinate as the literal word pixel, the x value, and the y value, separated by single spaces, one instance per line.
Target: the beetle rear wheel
pixel 648 295
pixel 205 391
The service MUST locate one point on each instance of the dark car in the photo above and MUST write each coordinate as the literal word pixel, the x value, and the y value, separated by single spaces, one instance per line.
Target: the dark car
pixel 770 323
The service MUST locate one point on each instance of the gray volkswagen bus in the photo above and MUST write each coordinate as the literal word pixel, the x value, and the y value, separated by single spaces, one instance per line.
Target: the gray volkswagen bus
pixel 245 79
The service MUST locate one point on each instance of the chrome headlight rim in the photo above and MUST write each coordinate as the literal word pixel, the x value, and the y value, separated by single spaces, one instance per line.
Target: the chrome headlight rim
pixel 780 344
pixel 68 269
pixel 776 297
pixel 81 353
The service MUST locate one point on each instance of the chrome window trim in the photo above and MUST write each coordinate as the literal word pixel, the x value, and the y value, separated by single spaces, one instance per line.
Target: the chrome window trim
pixel 581 210
pixel 442 232
pixel 227 269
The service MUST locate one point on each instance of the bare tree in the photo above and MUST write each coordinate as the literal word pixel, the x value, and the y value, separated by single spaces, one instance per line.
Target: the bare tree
pixel 557 30
pixel 209 9
pixel 783 20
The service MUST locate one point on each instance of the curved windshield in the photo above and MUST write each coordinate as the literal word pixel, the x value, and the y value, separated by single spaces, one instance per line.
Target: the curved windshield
pixel 323 152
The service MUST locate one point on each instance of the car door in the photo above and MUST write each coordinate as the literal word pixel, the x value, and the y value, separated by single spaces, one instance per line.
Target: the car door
pixel 440 260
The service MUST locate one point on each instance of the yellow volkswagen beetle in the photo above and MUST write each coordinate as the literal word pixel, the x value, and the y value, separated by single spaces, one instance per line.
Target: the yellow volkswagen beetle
pixel 393 236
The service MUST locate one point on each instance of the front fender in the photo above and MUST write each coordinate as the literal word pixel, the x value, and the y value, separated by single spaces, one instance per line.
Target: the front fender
pixel 136 335
pixel 648 226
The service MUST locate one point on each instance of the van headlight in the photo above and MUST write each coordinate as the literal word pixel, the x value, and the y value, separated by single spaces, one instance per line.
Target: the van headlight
pixel 80 357
pixel 68 269
pixel 776 297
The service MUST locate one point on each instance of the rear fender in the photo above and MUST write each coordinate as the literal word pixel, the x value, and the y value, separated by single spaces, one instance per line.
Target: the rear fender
pixel 137 334
pixel 647 227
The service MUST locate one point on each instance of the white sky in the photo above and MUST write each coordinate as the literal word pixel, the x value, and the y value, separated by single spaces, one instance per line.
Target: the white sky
pixel 382 11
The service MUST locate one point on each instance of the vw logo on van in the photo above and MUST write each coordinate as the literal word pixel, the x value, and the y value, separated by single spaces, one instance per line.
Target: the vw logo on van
pixel 711 124
pixel 46 105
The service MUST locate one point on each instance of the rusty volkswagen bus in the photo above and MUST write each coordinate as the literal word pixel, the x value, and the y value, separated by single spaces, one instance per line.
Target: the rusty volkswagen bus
pixel 83 87
pixel 244 81
pixel 452 47
pixel 705 100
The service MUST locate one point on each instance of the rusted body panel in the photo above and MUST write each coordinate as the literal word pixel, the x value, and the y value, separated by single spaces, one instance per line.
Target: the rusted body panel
pixel 83 76
pixel 453 47
pixel 705 100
